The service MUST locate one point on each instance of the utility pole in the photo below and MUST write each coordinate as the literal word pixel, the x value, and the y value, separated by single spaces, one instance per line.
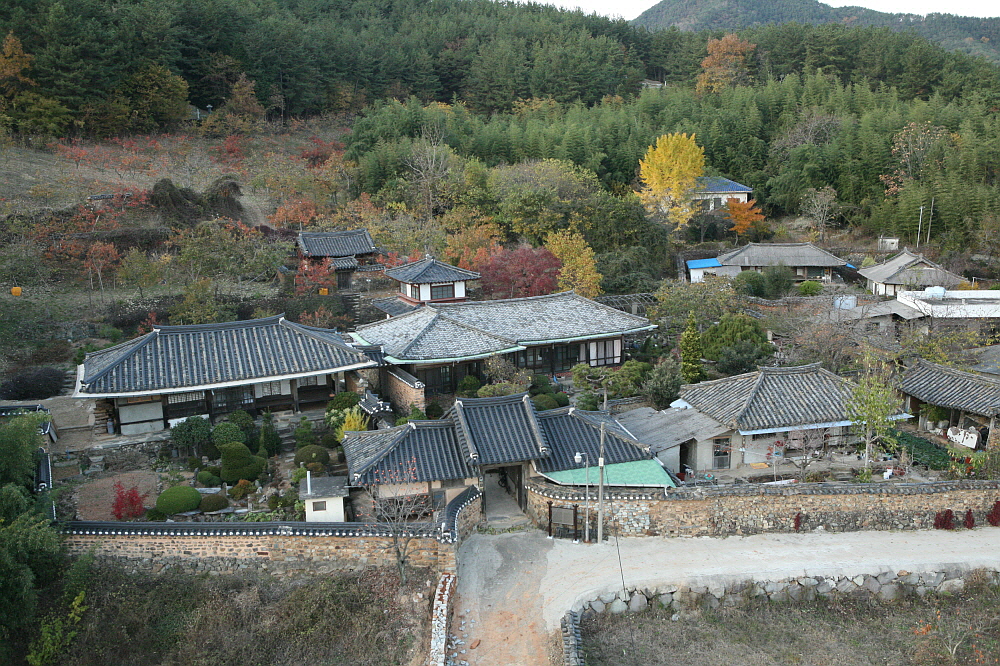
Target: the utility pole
pixel 920 225
pixel 930 218
pixel 600 491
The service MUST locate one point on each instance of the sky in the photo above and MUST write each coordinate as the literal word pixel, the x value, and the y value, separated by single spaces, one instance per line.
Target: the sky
pixel 629 9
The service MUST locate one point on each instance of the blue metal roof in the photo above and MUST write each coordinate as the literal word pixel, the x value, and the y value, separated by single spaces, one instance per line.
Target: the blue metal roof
pixel 714 184
pixel 703 263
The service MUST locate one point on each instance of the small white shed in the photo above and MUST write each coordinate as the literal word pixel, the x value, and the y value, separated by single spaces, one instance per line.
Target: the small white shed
pixel 324 497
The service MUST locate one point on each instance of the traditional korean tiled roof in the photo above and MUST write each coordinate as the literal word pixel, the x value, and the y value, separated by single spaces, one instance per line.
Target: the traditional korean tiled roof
pixel 393 306
pixel 716 185
pixel 951 388
pixel 476 329
pixel 417 452
pixel 184 358
pixel 336 243
pixel 774 254
pixel 344 263
pixel 500 430
pixel 773 398
pixel 430 270
pixel 570 431
pixel 911 270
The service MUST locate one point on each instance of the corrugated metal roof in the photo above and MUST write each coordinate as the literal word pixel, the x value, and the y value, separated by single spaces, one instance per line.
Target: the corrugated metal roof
pixel 773 398
pixel 774 254
pixel 663 430
pixel 951 388
pixel 336 243
pixel 911 270
pixel 703 263
pixel 480 328
pixel 716 185
pixel 178 358
pixel 430 270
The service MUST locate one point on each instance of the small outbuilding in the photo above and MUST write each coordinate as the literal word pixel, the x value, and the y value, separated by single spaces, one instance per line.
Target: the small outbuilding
pixel 324 498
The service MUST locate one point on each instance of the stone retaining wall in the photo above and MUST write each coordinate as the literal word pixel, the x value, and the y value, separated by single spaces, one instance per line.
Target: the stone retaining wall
pixel 277 554
pixel 754 509
pixel 886 586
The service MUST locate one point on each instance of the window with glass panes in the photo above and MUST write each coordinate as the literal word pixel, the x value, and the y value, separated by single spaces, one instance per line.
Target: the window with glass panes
pixel 442 291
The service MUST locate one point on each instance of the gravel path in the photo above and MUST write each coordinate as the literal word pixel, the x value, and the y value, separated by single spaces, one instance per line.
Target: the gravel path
pixel 513 589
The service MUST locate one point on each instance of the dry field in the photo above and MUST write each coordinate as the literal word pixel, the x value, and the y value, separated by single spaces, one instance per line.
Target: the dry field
pixel 963 629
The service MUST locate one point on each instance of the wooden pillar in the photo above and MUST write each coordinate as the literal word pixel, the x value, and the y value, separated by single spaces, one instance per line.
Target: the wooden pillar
pixel 550 519
pixel 294 388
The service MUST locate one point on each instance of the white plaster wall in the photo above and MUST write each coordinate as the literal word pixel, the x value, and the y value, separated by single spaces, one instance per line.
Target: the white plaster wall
pixel 334 510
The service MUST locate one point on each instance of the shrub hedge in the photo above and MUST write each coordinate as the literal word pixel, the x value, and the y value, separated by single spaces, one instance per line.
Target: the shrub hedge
pixel 178 500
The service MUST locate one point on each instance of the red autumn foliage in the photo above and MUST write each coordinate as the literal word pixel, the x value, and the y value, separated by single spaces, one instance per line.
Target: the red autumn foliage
pixel 526 271
pixel 128 503
pixel 312 276
pixel 321 151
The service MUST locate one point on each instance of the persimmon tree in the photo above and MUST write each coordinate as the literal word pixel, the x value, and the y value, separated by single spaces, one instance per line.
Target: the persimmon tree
pixel 100 258
pixel 525 271
pixel 821 205
pixel 579 265
pixel 394 506
pixel 726 64
pixel 743 214
pixel 669 171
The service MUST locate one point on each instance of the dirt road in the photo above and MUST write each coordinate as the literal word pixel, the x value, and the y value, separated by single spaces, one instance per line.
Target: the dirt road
pixel 514 588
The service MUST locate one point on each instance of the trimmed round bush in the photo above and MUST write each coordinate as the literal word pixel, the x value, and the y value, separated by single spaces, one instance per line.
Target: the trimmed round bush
pixel 810 288
pixel 316 468
pixel 544 401
pixel 468 386
pixel 561 399
pixel 215 502
pixel 228 432
pixel 178 500
pixel 205 477
pixel 311 454
pixel 238 463
pixel 434 410
pixel 540 384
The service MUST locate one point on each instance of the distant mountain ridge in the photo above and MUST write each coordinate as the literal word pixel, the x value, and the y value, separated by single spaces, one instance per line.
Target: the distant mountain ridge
pixel 968 34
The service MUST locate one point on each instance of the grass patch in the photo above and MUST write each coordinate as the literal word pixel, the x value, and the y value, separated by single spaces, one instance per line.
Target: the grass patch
pixel 924 452
pixel 960 629
pixel 171 618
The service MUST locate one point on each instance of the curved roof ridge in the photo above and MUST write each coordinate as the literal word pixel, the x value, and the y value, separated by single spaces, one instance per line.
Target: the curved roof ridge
pixel 423 332
pixel 955 372
pixel 136 347
pixel 418 312
pixel 529 408
pixel 224 325
pixel 386 450
pixel 324 335
pixel 462 430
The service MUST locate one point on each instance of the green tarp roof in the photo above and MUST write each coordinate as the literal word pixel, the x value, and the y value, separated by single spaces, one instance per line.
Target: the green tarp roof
pixel 638 473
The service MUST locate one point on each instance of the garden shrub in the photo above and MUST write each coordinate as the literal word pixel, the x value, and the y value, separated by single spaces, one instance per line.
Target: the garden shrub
pixel 155 515
pixel 193 463
pixel 540 384
pixel 970 520
pixel 496 390
pixel 214 502
pixel 245 422
pixel 304 435
pixel 468 386
pixel 944 520
pixel 178 500
pixel 315 468
pixel 544 401
pixel 227 432
pixel 241 489
pixel 310 454
pixel 561 399
pixel 993 517
pixel 269 437
pixel 238 463
pixel 434 410
pixel 810 288
pixel 329 440
pixel 205 477
pixel 194 434
pixel 343 400
pixel 33 384
pixel 215 470
pixel 588 401
pixel 298 474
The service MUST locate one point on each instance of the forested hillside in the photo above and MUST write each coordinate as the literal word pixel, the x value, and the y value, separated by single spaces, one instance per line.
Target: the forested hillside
pixel 968 34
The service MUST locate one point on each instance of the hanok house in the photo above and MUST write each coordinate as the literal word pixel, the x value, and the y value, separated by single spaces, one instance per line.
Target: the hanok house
pixel 806 261
pixel 440 343
pixel 970 401
pixel 208 370
pixel 715 192
pixel 348 251
pixel 425 281
pixel 767 414
pixel 478 437
pixel 907 272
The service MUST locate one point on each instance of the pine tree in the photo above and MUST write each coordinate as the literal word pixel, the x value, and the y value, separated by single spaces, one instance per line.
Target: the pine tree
pixel 691 352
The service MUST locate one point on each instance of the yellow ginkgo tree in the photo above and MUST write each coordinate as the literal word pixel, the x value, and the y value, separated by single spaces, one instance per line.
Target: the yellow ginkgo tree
pixel 579 265
pixel 669 171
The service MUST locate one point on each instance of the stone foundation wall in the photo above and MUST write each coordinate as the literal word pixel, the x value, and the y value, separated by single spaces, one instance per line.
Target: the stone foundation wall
pixel 278 554
pixel 736 510
pixel 404 391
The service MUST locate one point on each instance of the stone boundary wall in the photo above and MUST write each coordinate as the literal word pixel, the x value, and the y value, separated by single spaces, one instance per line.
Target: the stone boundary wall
pixel 887 586
pixel 756 509
pixel 439 620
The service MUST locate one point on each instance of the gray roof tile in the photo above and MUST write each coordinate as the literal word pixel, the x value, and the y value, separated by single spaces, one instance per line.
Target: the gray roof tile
pixel 569 431
pixel 480 328
pixel 393 306
pixel 951 388
pixel 911 270
pixel 430 270
pixel 498 430
pixel 774 254
pixel 178 358
pixel 417 452
pixel 336 243
pixel 773 398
